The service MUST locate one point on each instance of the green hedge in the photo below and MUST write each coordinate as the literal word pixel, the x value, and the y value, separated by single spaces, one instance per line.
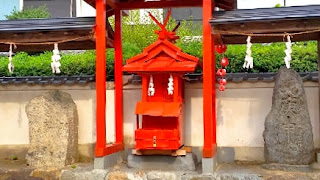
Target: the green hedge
pixel 267 58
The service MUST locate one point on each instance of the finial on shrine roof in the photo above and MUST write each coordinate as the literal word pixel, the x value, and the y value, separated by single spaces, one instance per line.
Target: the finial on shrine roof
pixel 164 33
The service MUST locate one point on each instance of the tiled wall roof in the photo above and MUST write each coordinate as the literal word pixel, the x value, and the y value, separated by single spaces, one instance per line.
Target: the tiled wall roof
pixel 82 80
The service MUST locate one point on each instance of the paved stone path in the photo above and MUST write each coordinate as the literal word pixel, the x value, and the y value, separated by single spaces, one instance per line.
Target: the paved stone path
pixel 18 170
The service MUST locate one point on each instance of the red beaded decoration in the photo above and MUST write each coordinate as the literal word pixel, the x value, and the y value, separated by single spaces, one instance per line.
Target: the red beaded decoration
pixel 224 62
pixel 221 72
pixel 221 49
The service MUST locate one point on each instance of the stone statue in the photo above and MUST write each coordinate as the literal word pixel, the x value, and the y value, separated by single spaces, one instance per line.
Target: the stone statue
pixel 288 131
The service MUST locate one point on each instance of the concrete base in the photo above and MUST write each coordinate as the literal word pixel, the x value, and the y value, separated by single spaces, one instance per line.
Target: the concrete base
pixel 209 164
pixel 318 157
pixel 108 161
pixel 180 163
pixel 226 154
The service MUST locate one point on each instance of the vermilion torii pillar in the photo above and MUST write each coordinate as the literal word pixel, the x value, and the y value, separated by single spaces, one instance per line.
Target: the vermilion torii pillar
pixel 102 147
pixel 100 35
pixel 209 80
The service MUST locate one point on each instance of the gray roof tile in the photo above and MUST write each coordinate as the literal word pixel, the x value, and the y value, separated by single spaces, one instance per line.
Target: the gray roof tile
pixel 266 14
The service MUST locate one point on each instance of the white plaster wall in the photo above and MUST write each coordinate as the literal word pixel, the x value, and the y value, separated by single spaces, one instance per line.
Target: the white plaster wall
pixel 14 122
pixel 240 115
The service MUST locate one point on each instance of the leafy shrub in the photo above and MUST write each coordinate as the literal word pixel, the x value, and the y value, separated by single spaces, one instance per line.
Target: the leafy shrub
pixel 71 64
pixel 29 13
pixel 270 57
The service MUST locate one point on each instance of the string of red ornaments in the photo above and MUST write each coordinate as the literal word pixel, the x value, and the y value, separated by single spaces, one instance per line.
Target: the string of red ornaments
pixel 221 49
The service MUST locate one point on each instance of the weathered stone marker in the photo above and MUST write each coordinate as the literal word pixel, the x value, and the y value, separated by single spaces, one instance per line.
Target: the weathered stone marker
pixel 288 132
pixel 53 130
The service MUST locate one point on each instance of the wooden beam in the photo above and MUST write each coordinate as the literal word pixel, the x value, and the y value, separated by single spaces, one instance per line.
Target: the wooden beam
pixel 225 4
pixel 158 4
pixel 238 39
pixel 72 45
pixel 269 26
pixel 111 3
pixel 48 36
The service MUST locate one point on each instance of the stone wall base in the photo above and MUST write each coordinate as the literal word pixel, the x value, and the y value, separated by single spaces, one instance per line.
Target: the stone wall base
pixel 287 167
pixel 86 151
pixel 179 163
pixel 108 161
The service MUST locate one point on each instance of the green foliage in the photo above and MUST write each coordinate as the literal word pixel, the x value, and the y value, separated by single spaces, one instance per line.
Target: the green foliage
pixel 277 5
pixel 29 13
pixel 73 166
pixel 71 64
pixel 14 157
pixel 140 32
pixel 269 57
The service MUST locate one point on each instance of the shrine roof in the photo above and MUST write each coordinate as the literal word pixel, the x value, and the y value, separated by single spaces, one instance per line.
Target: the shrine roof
pixel 231 25
pixel 73 33
pixel 85 79
pixel 162 56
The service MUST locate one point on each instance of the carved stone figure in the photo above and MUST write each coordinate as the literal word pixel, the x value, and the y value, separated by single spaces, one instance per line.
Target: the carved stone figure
pixel 288 131
pixel 53 130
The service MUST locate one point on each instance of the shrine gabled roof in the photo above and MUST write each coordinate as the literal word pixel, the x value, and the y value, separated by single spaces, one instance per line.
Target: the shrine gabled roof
pixel 163 56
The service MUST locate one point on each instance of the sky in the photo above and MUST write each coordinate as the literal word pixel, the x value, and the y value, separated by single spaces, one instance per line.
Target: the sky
pixel 250 4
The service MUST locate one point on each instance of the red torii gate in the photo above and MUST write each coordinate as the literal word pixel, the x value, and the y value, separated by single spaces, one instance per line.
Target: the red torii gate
pixel 105 8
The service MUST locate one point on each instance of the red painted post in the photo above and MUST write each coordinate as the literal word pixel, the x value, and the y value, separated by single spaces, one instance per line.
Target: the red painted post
pixel 118 77
pixel 100 34
pixel 209 94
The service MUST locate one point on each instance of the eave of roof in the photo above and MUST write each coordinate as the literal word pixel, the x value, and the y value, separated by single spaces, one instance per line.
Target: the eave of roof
pixel 36 35
pixel 266 14
pixel 232 25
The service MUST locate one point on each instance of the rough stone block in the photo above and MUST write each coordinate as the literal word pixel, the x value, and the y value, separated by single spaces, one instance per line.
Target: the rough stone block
pixel 238 176
pixel 288 132
pixel 287 167
pixel 108 161
pixel 180 163
pixel 198 177
pixel 95 174
pixel 158 175
pixel 53 130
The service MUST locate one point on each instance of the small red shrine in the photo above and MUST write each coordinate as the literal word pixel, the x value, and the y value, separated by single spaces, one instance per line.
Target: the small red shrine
pixel 162 66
